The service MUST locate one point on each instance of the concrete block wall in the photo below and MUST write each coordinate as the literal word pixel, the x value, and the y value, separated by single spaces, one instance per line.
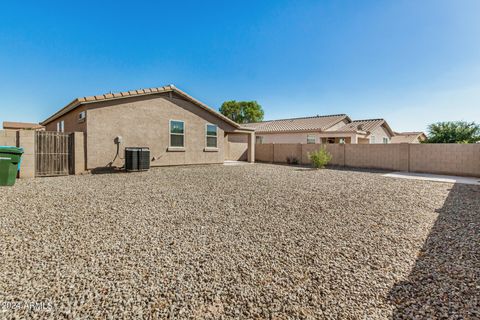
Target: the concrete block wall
pixel 389 156
pixel 446 158
pixel 455 159
pixel 26 140
pixel 79 159
pixel 264 152
pixel 286 150
pixel 8 138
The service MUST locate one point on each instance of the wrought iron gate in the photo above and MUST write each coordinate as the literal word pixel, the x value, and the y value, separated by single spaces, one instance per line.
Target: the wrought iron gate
pixel 52 153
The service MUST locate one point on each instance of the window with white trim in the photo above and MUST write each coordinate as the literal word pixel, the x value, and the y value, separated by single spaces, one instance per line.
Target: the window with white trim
pixel 81 116
pixel 259 139
pixel 342 140
pixel 385 140
pixel 310 139
pixel 61 126
pixel 372 139
pixel 177 134
pixel 211 136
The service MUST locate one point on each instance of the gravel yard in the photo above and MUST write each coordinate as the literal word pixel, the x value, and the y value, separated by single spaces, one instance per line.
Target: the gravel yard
pixel 251 241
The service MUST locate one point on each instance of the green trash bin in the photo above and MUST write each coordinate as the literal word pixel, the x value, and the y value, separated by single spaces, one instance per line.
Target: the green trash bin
pixel 10 158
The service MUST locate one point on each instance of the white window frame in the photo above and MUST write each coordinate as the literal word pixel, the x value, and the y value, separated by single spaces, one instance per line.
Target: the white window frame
pixel 341 140
pixel 207 136
pixel 81 116
pixel 314 138
pixel 178 134
pixel 372 140
pixel 61 126
pixel 386 140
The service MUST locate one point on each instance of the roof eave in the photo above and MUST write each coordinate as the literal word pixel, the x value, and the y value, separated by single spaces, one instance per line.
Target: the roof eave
pixel 207 108
pixel 93 99
pixel 388 128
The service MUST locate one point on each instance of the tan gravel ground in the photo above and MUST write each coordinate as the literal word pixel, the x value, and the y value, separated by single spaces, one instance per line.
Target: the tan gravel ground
pixel 252 241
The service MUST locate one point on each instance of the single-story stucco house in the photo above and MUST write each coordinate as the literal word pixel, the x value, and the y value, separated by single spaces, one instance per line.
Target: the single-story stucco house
pixel 177 128
pixel 338 128
pixel 409 137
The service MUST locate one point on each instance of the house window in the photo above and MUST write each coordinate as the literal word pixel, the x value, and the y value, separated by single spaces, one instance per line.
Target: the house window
pixel 61 126
pixel 258 139
pixel 81 116
pixel 177 133
pixel 331 140
pixel 310 139
pixel 372 139
pixel 385 140
pixel 211 136
pixel 342 140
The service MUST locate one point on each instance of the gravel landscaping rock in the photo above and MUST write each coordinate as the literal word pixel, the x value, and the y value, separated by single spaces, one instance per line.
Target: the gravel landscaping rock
pixel 251 241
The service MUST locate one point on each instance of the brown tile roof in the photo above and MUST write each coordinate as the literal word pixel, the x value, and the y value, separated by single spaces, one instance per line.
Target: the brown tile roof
pixel 134 93
pixel 316 123
pixel 367 125
pixel 408 137
pixel 21 125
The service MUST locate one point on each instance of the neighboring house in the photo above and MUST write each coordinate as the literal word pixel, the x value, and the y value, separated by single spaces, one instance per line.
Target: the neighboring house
pixel 337 128
pixel 369 131
pixel 177 128
pixel 8 125
pixel 409 137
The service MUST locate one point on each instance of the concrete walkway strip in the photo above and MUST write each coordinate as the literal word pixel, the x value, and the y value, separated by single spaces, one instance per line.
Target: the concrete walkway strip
pixel 235 163
pixel 434 177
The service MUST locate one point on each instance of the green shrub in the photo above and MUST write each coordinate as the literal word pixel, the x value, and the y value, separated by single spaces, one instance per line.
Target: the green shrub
pixel 320 158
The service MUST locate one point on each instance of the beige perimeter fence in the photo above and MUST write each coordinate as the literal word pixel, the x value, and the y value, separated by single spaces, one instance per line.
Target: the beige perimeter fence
pixel 455 159
pixel 47 153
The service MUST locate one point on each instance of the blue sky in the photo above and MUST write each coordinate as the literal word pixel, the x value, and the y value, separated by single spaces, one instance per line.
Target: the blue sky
pixel 410 62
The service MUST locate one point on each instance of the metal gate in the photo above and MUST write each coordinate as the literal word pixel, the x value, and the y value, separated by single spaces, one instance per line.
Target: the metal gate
pixel 52 153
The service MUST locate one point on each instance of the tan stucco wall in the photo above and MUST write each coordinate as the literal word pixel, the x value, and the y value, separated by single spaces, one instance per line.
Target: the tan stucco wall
pixel 71 123
pixel 337 140
pixel 294 137
pixel 301 137
pixel 236 147
pixel 144 122
pixel 379 134
pixel 337 126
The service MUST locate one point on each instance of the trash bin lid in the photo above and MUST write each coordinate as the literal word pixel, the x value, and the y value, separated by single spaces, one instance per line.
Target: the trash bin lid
pixel 11 150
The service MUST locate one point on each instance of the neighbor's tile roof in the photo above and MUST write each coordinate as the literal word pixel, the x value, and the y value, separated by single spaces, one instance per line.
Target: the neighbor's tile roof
pixel 362 125
pixel 21 125
pixel 319 123
pixel 406 137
